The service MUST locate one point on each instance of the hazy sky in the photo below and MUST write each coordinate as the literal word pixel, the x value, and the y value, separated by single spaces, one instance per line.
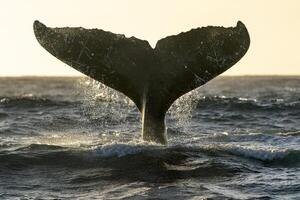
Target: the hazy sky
pixel 274 28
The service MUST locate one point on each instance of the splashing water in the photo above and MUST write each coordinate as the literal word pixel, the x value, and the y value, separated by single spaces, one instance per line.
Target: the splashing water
pixel 182 109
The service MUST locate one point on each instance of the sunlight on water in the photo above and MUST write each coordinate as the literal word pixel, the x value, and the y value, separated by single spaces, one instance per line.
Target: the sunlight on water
pixel 67 139
pixel 121 191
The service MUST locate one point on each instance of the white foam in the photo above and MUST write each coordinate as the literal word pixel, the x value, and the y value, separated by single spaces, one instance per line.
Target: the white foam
pixel 260 153
pixel 246 99
pixel 122 149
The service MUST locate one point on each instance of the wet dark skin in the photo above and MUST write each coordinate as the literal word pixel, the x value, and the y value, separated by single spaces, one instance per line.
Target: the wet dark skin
pixel 153 78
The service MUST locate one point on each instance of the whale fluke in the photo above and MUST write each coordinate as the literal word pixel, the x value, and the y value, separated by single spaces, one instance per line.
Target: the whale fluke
pixel 152 78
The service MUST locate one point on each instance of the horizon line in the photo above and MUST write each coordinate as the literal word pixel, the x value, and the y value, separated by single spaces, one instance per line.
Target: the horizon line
pixel 78 76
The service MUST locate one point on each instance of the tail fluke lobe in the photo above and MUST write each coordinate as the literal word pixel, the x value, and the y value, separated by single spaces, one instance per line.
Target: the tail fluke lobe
pixel 112 59
pixel 152 78
pixel 192 58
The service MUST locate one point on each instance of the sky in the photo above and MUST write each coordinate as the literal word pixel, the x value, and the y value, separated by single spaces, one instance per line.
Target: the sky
pixel 274 28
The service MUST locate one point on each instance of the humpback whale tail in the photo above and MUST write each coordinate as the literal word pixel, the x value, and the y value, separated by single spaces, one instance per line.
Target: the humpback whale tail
pixel 153 78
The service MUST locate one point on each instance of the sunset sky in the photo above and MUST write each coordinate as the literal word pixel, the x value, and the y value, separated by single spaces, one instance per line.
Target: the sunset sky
pixel 274 28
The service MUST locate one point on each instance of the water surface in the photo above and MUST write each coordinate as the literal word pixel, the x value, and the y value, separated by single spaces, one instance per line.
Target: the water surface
pixel 72 138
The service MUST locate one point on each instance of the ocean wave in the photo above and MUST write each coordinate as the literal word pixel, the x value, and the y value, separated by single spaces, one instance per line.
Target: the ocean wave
pixel 285 139
pixel 204 102
pixel 269 155
pixel 240 103
pixel 40 147
pixel 290 133
pixel 44 154
pixel 259 154
pixel 121 149
pixel 120 158
pixel 138 154
pixel 32 101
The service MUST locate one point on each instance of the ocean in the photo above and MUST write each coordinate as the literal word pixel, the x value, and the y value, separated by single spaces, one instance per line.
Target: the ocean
pixel 73 138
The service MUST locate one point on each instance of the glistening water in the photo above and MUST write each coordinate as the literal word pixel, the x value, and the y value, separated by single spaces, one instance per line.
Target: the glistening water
pixel 72 138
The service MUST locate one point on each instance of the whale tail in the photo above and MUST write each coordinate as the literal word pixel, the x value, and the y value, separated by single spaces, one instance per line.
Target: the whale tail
pixel 152 78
